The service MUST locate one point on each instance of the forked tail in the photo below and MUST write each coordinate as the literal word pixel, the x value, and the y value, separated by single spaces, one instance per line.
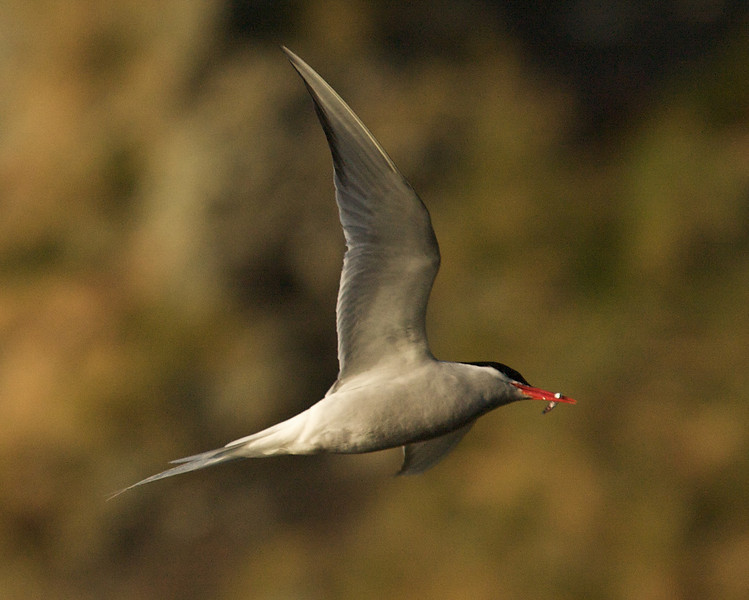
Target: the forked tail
pixel 278 439
pixel 189 463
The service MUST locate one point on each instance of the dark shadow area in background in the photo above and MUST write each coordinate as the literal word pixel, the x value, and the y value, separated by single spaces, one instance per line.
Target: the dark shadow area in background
pixel 613 54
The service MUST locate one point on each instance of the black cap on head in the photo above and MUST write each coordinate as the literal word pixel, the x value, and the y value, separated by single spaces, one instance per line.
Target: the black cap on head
pixel 504 369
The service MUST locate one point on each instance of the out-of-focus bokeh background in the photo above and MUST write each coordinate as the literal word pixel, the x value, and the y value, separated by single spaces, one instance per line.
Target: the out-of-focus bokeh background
pixel 169 259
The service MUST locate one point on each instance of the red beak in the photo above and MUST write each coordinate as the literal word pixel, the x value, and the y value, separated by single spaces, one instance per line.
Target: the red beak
pixel 533 393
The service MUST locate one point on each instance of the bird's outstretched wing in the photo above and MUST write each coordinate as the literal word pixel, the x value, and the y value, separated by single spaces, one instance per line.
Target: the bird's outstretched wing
pixel 392 255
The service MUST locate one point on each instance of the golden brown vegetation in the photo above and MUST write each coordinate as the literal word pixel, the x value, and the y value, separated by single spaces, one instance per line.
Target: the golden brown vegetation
pixel 169 256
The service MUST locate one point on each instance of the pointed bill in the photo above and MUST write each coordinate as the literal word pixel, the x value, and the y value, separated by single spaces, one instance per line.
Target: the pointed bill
pixel 534 393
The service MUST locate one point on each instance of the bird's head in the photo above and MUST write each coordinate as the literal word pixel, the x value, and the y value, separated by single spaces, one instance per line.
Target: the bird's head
pixel 526 391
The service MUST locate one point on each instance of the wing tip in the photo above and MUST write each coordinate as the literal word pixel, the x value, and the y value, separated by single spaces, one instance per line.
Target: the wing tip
pixel 291 55
pixel 299 65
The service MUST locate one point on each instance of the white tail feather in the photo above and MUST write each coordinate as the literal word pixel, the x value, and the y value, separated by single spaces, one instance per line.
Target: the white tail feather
pixel 281 438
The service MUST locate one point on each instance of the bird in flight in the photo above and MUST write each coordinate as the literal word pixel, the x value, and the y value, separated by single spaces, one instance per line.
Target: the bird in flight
pixel 390 391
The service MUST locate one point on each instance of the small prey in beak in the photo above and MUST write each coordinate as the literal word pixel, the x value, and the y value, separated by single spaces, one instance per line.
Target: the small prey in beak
pixel 553 399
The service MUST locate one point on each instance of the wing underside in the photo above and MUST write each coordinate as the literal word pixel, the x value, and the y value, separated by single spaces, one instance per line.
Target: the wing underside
pixel 420 456
pixel 392 255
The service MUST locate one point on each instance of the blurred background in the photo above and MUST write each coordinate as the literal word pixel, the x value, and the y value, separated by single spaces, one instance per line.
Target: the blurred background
pixel 169 261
